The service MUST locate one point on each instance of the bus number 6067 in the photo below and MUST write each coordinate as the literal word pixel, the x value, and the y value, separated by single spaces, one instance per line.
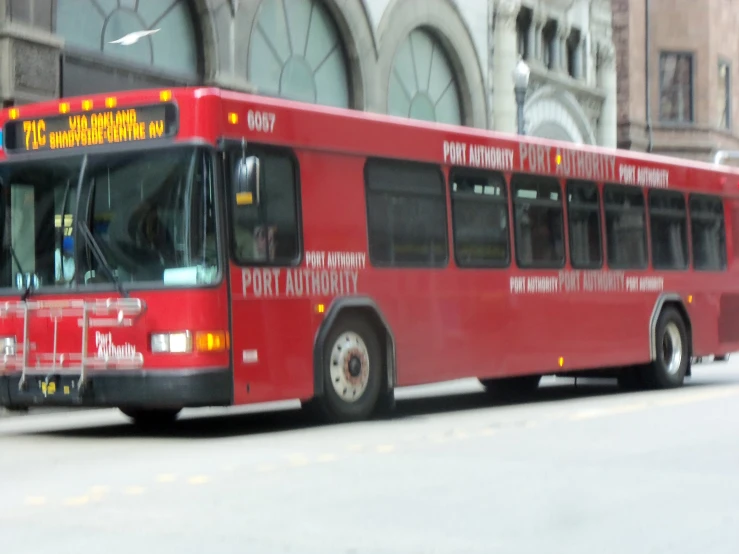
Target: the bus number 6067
pixel 263 122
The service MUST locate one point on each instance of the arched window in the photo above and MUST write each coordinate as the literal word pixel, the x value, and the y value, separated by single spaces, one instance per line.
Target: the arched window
pixel 159 34
pixel 422 83
pixel 297 53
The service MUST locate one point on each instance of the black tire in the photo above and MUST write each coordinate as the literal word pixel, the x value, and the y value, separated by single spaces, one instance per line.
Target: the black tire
pixel 724 358
pixel 151 417
pixel 660 374
pixel 512 388
pixel 333 407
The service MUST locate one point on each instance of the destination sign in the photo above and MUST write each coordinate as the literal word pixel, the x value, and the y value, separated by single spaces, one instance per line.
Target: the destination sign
pixel 94 128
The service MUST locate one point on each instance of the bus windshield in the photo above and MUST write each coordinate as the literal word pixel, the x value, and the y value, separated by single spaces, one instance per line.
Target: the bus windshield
pixel 151 216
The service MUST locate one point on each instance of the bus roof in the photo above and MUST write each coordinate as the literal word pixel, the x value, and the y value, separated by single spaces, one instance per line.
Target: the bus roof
pixel 376 134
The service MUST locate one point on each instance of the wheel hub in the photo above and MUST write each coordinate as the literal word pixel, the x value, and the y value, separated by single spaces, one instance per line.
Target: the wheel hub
pixel 350 367
pixel 354 366
pixel 672 348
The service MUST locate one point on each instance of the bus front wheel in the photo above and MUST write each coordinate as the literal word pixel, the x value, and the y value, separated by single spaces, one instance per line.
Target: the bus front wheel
pixel 352 370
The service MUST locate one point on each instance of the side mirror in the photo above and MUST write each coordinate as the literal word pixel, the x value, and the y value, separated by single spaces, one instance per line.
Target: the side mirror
pixel 247 179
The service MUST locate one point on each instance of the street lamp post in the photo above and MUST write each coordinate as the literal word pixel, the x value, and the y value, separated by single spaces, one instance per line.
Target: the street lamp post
pixel 521 76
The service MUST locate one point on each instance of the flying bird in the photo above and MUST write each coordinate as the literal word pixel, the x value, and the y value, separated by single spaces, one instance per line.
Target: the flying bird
pixel 133 38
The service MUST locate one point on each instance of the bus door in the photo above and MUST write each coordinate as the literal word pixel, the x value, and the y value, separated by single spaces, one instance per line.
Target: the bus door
pixel 271 316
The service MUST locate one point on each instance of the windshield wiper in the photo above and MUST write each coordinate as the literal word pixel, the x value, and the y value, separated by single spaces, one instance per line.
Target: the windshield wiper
pixel 90 239
pixel 93 245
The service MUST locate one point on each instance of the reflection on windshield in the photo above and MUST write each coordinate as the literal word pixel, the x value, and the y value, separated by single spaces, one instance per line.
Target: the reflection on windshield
pixel 152 215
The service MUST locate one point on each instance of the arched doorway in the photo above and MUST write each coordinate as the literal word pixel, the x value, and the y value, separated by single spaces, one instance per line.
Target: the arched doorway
pixel 422 82
pixel 555 114
pixel 127 44
pixel 298 54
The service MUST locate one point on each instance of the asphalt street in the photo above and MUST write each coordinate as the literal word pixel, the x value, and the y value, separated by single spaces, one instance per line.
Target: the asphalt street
pixel 574 470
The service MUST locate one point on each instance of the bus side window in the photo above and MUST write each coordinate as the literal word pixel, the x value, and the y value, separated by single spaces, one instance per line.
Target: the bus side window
pixel 267 232
pixel 406 213
pixel 626 230
pixel 538 221
pixel 668 223
pixel 480 219
pixel 708 232
pixel 583 213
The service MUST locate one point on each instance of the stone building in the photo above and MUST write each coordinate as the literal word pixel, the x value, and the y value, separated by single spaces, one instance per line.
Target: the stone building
pixel 568 46
pixel 675 63
pixel 442 60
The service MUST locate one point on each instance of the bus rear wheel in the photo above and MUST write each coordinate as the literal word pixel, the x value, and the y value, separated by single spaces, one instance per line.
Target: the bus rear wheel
pixel 352 371
pixel 151 417
pixel 671 364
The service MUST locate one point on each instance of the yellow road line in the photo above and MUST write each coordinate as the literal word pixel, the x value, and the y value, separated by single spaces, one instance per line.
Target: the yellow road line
pixel 327 458
pixel 77 500
pixel 610 411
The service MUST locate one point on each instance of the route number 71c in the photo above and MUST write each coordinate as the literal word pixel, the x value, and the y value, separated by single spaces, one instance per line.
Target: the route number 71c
pixel 35 134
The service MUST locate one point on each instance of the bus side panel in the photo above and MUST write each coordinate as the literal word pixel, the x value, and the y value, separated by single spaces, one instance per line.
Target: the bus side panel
pixel 271 341
pixel 274 329
pixel 728 318
pixel 418 304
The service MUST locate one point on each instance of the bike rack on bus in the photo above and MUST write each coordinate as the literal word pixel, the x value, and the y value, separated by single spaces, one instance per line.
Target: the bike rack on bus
pixel 94 314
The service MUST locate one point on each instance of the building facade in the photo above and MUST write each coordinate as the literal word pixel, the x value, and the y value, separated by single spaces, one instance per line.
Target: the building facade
pixel 449 61
pixel 568 46
pixel 675 87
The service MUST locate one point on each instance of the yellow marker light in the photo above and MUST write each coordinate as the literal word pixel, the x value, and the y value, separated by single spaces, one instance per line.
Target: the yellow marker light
pixel 13 113
pixel 64 107
pixel 320 308
pixel 111 102
pixel 561 361
pixel 165 95
pixel 233 118
pixel 690 299
pixel 211 341
pixel 87 105
pixel 558 159
pixel 244 198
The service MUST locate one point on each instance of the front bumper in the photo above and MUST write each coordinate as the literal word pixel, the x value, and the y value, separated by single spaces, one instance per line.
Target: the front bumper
pixel 142 389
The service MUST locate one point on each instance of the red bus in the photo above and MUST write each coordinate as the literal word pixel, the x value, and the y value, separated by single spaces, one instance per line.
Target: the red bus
pixel 165 249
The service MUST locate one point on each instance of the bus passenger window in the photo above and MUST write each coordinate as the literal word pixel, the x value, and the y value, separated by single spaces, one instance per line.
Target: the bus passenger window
pixel 626 232
pixel 668 221
pixel 480 219
pixel 583 212
pixel 708 232
pixel 538 222
pixel 267 232
pixel 406 212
